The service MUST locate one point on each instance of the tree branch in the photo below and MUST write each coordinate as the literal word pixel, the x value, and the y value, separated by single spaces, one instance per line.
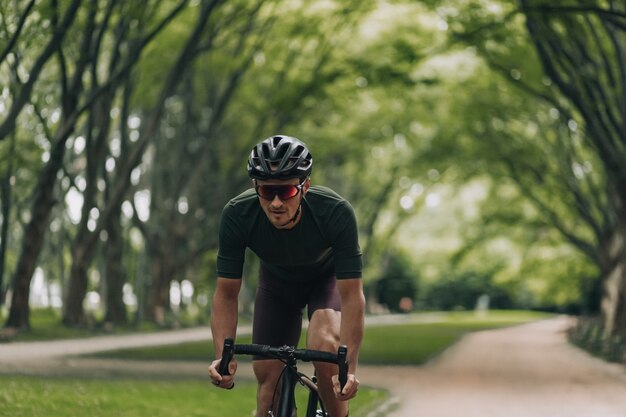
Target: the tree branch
pixel 18 31
pixel 612 14
pixel 24 95
pixel 555 220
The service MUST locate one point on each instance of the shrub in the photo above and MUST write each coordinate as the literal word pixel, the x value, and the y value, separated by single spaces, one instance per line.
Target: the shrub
pixel 589 335
pixel 461 291
pixel 397 287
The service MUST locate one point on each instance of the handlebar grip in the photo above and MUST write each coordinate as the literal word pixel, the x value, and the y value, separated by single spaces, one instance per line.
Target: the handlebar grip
pixel 227 355
pixel 342 362
pixel 253 349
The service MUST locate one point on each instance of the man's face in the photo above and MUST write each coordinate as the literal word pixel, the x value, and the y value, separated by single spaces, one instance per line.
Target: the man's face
pixel 281 211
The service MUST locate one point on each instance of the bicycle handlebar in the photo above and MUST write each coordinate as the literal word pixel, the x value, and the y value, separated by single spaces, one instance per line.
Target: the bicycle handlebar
pixel 286 352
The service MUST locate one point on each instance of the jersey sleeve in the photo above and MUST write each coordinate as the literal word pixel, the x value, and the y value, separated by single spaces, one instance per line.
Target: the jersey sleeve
pixel 345 242
pixel 232 245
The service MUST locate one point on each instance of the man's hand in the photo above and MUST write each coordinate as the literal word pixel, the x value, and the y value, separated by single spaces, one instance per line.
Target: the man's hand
pixel 349 390
pixel 223 381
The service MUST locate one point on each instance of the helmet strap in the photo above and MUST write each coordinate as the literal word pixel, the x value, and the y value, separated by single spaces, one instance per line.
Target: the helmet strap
pixel 295 216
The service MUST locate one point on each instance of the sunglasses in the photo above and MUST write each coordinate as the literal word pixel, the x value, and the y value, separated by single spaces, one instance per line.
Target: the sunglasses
pixel 283 192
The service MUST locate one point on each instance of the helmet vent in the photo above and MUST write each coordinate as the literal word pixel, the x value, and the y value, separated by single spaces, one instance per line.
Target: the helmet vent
pixel 280 157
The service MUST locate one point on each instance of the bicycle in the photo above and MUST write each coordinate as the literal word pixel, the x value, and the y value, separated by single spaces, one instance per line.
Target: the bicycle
pixel 290 375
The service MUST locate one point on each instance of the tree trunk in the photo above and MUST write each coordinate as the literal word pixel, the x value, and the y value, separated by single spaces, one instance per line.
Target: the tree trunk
pixel 73 311
pixel 158 302
pixel 34 236
pixel 613 300
pixel 86 241
pixel 613 303
pixel 5 197
pixel 114 273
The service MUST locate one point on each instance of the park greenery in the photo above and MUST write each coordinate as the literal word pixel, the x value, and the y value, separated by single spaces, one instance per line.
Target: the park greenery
pixel 480 142
pixel 416 340
pixel 58 397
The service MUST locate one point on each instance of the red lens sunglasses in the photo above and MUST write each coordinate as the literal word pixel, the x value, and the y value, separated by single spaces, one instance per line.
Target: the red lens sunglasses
pixel 283 192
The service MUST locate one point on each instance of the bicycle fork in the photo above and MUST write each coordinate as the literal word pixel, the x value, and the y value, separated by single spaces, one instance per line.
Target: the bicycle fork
pixel 287 402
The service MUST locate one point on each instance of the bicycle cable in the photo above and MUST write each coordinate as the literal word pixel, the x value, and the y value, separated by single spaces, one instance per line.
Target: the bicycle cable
pixel 275 395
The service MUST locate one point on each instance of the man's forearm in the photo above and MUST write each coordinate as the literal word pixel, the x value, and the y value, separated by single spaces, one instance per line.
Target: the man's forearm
pixel 224 314
pixel 351 336
pixel 352 323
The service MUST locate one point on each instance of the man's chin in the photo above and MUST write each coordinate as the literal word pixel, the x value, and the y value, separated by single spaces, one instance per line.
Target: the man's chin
pixel 280 221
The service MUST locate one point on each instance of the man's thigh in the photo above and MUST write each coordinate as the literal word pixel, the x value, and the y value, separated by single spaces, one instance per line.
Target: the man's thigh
pixel 277 321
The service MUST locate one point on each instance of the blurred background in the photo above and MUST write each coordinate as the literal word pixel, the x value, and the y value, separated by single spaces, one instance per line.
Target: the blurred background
pixel 481 143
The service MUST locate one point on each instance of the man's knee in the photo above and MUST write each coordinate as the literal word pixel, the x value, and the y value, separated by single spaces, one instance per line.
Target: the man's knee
pixel 323 331
pixel 328 342
pixel 267 371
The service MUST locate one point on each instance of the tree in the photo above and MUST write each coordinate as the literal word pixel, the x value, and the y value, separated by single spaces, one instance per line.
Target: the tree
pixel 75 100
pixel 559 141
pixel 43 201
pixel 581 47
pixel 73 307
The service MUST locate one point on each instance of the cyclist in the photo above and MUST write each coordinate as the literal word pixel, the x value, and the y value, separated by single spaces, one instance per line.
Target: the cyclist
pixel 306 239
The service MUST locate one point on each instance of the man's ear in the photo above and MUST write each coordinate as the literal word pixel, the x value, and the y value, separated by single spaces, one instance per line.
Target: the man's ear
pixel 306 185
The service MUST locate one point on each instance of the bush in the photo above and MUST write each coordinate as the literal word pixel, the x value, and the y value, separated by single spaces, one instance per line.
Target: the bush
pixel 588 334
pixel 397 287
pixel 461 291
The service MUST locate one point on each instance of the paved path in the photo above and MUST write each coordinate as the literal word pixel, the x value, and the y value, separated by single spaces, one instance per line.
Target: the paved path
pixel 522 371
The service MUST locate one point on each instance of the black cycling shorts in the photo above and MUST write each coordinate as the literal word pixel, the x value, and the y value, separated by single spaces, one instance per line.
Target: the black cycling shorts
pixel 279 305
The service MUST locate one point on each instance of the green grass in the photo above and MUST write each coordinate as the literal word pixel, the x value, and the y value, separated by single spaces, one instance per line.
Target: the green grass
pixel 408 343
pixel 400 344
pixel 29 396
pixel 190 351
pixel 46 325
pixel 416 343
pixel 59 397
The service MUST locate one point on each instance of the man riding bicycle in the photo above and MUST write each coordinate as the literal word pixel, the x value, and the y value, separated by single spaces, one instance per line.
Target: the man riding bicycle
pixel 306 239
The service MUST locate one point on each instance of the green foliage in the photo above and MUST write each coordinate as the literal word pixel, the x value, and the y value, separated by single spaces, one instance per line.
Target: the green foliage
pixel 462 291
pixel 23 396
pixel 401 102
pixel 398 283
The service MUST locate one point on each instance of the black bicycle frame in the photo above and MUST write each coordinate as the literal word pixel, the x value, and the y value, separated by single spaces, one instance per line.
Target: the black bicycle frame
pixel 311 406
pixel 290 377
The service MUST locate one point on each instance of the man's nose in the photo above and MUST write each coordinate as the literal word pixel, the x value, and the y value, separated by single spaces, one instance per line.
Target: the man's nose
pixel 277 202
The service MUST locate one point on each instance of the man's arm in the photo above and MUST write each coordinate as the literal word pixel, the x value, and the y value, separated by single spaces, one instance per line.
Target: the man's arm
pixel 352 324
pixel 224 315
